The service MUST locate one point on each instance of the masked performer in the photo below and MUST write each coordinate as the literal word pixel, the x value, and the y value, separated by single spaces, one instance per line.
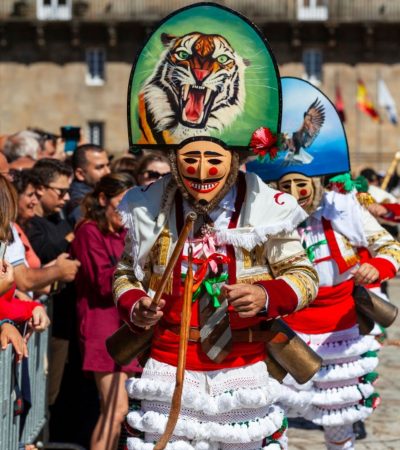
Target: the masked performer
pixel 341 393
pixel 198 103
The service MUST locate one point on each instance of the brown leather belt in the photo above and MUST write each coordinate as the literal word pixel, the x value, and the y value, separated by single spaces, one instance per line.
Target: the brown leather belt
pixel 246 335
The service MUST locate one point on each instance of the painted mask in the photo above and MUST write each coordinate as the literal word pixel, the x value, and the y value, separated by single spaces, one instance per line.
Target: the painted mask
pixel 301 187
pixel 203 167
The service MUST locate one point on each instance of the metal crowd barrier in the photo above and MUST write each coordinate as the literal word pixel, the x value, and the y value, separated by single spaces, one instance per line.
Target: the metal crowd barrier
pixel 9 425
pixel 38 364
pixel 10 376
pixel 11 434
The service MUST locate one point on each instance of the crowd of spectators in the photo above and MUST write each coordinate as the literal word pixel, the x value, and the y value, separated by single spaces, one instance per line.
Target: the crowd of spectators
pixel 61 235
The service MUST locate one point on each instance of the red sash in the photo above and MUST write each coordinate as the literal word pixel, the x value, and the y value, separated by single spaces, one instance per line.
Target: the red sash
pixel 332 310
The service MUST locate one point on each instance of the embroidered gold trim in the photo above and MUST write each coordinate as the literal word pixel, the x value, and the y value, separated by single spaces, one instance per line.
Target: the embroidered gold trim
pixel 259 255
pixel 365 199
pixel 155 282
pixel 391 252
pixel 305 280
pixel 254 257
pixel 375 237
pixel 254 278
pixel 346 243
pixel 163 244
pixel 281 266
pixel 352 260
pixel 247 260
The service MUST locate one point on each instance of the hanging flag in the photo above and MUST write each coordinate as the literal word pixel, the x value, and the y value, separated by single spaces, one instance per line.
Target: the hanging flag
pixel 387 102
pixel 339 104
pixel 364 103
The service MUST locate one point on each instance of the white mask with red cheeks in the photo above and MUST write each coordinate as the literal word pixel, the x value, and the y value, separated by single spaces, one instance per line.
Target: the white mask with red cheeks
pixel 301 187
pixel 203 168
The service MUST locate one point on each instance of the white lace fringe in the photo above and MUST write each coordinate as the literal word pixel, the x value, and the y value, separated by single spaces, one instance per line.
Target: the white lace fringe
pixel 250 238
pixel 253 430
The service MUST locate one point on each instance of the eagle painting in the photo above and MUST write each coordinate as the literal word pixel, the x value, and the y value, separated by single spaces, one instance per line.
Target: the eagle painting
pixel 314 118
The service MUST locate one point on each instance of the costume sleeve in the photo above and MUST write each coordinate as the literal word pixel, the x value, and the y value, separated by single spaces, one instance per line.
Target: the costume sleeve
pixel 296 281
pixel 393 212
pixel 127 289
pixel 384 249
pixel 15 309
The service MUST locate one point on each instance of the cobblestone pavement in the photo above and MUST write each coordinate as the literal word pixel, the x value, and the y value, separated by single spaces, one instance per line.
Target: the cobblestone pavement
pixel 383 427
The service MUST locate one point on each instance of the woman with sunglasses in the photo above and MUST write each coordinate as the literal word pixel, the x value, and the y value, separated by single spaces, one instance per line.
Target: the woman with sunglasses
pixel 98 245
pixel 152 167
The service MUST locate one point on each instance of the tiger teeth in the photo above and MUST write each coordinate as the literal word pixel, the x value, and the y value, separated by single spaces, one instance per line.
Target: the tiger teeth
pixel 208 94
pixel 186 91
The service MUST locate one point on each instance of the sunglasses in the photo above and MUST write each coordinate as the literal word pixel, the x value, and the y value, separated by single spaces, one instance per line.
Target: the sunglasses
pixel 61 192
pixel 153 174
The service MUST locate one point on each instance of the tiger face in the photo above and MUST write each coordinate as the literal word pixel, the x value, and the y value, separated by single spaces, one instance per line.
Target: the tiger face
pixel 198 85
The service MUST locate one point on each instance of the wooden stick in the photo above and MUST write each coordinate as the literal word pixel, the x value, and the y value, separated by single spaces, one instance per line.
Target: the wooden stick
pixel 391 170
pixel 187 228
pixel 180 370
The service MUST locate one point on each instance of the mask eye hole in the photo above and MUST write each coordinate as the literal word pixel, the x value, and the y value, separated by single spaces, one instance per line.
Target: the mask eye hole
pixel 214 161
pixel 302 184
pixel 285 186
pixel 190 160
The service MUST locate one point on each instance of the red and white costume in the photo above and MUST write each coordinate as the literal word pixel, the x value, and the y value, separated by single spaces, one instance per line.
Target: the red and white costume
pixel 230 405
pixel 341 393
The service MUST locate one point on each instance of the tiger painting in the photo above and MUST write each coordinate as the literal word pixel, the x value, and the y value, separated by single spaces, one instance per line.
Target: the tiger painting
pixel 197 87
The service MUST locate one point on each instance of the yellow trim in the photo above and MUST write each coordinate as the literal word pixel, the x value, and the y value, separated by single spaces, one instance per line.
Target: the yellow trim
pixel 365 199
pixel 279 268
pixel 164 242
pixel 352 260
pixel 390 252
pixel 375 237
pixel 254 278
pixel 155 282
pixel 247 263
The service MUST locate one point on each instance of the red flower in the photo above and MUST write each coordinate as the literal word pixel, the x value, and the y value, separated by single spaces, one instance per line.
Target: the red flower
pixel 263 143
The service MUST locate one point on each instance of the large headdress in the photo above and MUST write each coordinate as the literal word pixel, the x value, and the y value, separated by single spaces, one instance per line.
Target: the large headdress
pixel 313 140
pixel 206 71
pixel 203 83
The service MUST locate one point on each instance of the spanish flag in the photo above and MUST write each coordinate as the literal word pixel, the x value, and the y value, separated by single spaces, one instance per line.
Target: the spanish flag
pixel 364 103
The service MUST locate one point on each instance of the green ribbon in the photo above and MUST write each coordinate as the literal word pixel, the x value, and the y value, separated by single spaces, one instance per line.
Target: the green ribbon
pixel 348 184
pixel 311 249
pixel 210 285
pixel 212 288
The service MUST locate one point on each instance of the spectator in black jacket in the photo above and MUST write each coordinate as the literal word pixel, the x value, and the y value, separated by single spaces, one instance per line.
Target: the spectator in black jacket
pixel 50 236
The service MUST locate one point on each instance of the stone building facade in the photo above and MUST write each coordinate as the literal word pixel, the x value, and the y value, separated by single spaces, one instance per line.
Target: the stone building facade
pixel 67 62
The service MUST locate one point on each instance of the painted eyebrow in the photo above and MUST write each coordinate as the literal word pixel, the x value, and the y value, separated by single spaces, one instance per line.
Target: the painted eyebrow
pixel 197 153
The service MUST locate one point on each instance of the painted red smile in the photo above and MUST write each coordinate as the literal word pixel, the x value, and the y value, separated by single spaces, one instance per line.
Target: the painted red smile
pixel 202 188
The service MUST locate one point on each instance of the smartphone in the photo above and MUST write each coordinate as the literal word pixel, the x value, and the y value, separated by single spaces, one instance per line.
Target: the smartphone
pixel 71 136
